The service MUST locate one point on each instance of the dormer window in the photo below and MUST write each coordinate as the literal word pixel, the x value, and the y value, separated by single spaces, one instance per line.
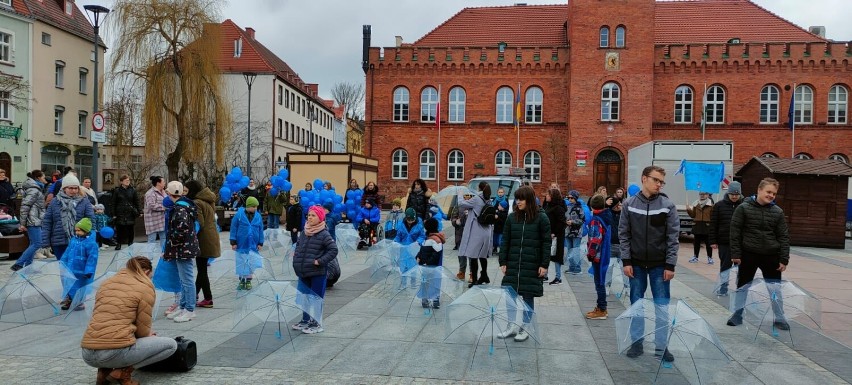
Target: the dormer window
pixel 69 7
pixel 238 47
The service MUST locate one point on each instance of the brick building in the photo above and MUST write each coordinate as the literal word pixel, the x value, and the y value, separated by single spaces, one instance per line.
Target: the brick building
pixel 593 79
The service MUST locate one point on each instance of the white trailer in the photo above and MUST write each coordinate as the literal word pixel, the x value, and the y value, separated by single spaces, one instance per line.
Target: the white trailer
pixel 668 154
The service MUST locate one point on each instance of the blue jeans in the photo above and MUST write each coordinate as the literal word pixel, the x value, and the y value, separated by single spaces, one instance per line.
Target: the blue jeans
pixel 273 221
pixel 600 287
pixel 662 295
pixel 511 310
pixel 496 239
pixel 186 272
pixel 573 254
pixel 317 285
pixel 153 238
pixel 34 234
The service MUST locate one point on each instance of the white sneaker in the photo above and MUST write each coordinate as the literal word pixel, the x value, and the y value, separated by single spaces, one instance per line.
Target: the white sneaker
pixel 511 330
pixel 522 335
pixel 172 309
pixel 314 329
pixel 185 316
pixel 174 314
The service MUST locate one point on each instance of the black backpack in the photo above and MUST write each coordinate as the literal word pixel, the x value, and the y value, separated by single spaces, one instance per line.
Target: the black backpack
pixel 487 216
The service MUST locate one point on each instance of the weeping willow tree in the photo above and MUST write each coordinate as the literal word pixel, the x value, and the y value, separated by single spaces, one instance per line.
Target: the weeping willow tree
pixel 165 47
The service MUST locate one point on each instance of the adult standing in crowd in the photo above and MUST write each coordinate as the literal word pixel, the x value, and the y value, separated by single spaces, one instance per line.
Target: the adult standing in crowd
pixel 57 183
pixel 418 198
pixel 155 212
pixel 62 214
pixel 371 192
pixel 554 207
pixel 476 240
pixel 7 191
pixel 182 246
pixel 720 233
pixel 119 337
pixel 86 191
pixel 701 210
pixel 759 240
pixel 32 210
pixel 648 233
pixel 251 191
pixel 125 210
pixel 353 185
pixel 524 257
pixel 208 237
pixel 273 207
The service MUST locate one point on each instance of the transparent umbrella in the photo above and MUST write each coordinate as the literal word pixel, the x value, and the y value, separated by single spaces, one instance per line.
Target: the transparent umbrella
pixel 432 284
pixel 167 284
pixel 347 240
pixel 784 300
pixel 235 264
pixel 34 292
pixel 678 329
pixel 389 259
pixel 273 304
pixel 83 304
pixel 448 197
pixel 487 313
pixel 152 251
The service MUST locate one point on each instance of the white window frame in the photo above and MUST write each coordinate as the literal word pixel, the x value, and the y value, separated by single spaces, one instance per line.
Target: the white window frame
pixel 769 155
pixel 803 105
pixel 502 159
pixel 532 165
pixel 399 164
pixel 7 3
pixel 610 102
pixel 84 80
pixel 770 97
pixel 455 165
pixel 82 122
pixel 803 156
pixel 7 112
pixel 505 99
pixel 715 105
pixel 533 102
pixel 683 102
pixel 59 75
pixel 603 37
pixel 428 105
pixel 838 104
pixel 69 7
pixel 280 95
pixel 401 98
pixel 458 98
pixel 7 47
pixel 427 164
pixel 620 36
pixel 45 38
pixel 839 157
pixel 280 128
pixel 58 115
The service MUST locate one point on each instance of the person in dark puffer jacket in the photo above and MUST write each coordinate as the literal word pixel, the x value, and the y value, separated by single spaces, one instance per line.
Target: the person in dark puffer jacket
pixel 524 256
pixel 431 254
pixel 720 233
pixel 759 240
pixel 314 251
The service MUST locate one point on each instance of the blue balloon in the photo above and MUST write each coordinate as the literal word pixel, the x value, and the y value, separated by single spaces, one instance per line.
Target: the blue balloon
pixel 339 208
pixel 237 171
pixel 351 214
pixel 107 232
pixel 632 190
pixel 318 184
pixel 286 186
pixel 337 199
pixel 327 200
pixel 244 181
pixel 302 194
pixel 224 194
pixel 275 180
pixel 283 173
pixel 273 191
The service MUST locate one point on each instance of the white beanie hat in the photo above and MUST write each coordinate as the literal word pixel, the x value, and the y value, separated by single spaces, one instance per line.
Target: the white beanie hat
pixel 174 188
pixel 70 181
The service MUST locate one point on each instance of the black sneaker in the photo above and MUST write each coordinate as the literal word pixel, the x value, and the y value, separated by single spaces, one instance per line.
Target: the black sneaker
pixel 635 350
pixel 16 267
pixel 664 355
pixel 424 303
pixel 781 325
pixel 556 282
pixel 436 304
pixel 735 320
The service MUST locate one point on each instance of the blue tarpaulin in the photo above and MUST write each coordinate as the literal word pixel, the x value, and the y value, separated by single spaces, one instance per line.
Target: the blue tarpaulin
pixel 702 176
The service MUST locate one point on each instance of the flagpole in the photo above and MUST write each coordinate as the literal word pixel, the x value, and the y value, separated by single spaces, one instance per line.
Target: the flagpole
pixel 704 112
pixel 793 121
pixel 438 158
pixel 518 127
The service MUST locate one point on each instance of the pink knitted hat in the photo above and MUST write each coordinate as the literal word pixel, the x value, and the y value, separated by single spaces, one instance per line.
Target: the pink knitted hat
pixel 318 210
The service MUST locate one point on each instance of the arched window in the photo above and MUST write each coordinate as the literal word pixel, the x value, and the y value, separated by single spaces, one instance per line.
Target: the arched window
pixel 769 104
pixel 428 104
pixel 803 155
pixel 505 97
pixel 604 40
pixel 457 105
pixel 803 110
pixel 400 104
pixel 503 160
pixel 533 101
pixel 715 109
pixel 610 96
pixel 838 99
pixel 532 165
pixel 399 164
pixel 427 164
pixel 768 155
pixel 619 37
pixel 683 105
pixel 839 157
pixel 455 165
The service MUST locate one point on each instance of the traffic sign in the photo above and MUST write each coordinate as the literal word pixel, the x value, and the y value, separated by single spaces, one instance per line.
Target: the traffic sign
pixel 98 122
pixel 98 136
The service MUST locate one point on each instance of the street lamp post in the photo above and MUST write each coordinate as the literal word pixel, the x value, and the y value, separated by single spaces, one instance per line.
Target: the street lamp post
pixel 249 76
pixel 311 118
pixel 95 18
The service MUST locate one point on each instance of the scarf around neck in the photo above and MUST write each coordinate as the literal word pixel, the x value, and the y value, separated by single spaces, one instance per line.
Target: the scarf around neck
pixel 68 212
pixel 311 230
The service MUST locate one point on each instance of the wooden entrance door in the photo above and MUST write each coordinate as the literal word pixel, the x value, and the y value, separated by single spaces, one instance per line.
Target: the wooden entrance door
pixel 609 170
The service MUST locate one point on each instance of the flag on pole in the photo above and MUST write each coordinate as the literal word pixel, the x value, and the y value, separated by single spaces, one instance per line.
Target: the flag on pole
pixel 791 115
pixel 518 108
pixel 704 111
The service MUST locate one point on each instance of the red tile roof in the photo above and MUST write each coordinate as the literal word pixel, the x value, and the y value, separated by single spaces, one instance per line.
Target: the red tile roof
pixel 717 21
pixel 818 167
pixel 690 21
pixel 53 12
pixel 529 25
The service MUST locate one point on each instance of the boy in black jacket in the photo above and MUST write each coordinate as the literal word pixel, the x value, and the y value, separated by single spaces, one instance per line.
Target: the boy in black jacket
pixel 295 218
pixel 432 255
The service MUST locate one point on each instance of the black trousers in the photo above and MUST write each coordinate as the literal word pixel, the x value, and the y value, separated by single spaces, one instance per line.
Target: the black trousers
pixel 768 266
pixel 202 281
pixel 474 266
pixel 124 234
pixel 698 240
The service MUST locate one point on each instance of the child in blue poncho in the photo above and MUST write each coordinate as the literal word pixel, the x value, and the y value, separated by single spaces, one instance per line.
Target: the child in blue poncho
pixel 409 230
pixel 597 252
pixel 81 258
pixel 247 240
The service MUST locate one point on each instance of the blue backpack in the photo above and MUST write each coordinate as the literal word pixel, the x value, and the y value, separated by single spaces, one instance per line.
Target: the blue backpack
pixel 587 214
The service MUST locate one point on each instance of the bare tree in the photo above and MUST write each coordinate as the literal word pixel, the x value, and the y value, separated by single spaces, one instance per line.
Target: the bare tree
pixel 15 91
pixel 556 154
pixel 350 95
pixel 164 45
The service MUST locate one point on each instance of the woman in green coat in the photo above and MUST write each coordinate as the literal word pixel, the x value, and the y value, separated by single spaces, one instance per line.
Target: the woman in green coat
pixel 525 255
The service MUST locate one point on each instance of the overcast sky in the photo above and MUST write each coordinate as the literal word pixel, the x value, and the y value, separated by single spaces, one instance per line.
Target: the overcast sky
pixel 321 39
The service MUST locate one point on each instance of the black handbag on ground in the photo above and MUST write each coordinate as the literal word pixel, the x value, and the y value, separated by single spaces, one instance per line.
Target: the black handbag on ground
pixel 182 360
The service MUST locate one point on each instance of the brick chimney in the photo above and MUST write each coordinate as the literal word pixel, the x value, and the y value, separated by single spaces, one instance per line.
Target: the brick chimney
pixel 250 32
